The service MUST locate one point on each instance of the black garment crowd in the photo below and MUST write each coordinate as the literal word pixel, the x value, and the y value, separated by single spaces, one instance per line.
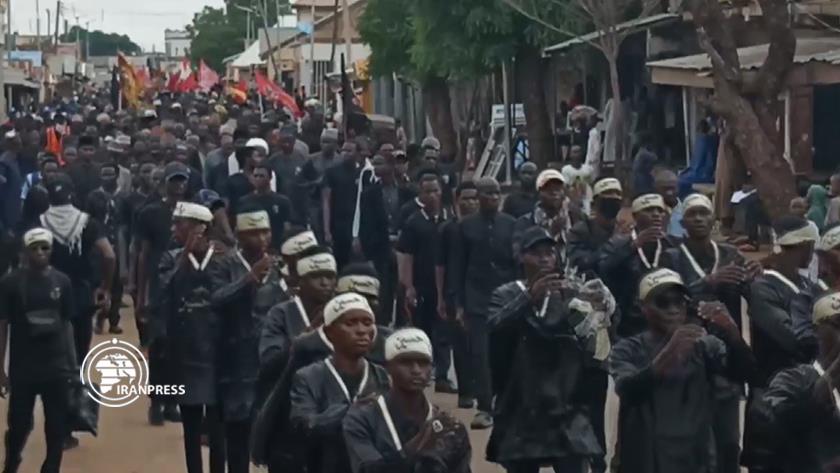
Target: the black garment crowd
pixel 310 289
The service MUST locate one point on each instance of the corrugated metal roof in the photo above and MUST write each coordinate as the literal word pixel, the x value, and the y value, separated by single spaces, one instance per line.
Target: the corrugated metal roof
pixel 642 23
pixel 752 57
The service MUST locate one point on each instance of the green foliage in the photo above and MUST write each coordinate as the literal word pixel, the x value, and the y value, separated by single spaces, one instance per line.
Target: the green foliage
pixel 388 28
pixel 101 43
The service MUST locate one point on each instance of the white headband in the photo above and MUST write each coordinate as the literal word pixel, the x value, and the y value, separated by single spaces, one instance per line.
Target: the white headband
pixel 800 235
pixel 253 221
pixel 298 243
pixel 830 240
pixel 192 211
pixel 365 285
pixel 37 235
pixel 322 262
pixel 605 185
pixel 408 340
pixel 697 200
pixel 343 303
pixel 647 201
pixel 826 307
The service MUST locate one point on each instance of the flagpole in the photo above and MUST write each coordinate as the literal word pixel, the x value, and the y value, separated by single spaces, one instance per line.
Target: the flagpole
pixel 262 107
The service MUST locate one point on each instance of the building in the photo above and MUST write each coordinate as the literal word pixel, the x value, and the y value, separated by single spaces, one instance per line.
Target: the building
pixel 177 42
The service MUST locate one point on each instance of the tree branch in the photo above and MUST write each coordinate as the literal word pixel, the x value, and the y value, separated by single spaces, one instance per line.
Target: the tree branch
pixel 772 75
pixel 545 24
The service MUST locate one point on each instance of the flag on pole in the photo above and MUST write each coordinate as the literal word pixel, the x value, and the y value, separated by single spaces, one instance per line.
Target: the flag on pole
pixel 238 92
pixel 272 91
pixel 131 88
pixel 188 84
pixel 207 78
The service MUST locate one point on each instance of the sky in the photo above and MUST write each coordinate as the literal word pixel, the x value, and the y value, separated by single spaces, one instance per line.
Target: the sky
pixel 142 20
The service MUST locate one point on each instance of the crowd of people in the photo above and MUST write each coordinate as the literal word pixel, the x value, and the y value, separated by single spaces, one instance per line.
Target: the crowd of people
pixel 310 288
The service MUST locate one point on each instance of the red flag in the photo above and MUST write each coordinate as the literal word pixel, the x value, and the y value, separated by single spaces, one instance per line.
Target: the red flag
pixel 274 92
pixel 142 75
pixel 172 85
pixel 189 84
pixel 207 78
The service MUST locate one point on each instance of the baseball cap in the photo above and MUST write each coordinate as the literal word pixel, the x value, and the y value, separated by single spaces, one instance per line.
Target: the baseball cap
pixel 210 199
pixel 549 175
pixel 659 280
pixel 533 237
pixel 176 169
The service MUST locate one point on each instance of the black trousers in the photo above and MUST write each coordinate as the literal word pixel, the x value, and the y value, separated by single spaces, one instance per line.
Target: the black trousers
pixel 477 335
pixel 20 420
pixel 727 430
pixel 560 465
pixel 237 441
pixel 426 319
pixel 342 249
pixel 193 420
pixel 460 355
pixel 82 333
pixel 385 263
pixel 595 383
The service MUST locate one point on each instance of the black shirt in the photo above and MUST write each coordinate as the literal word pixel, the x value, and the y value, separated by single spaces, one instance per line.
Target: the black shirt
pixel 279 210
pixel 85 177
pixel 237 187
pixel 77 264
pixel 447 255
pixel 519 203
pixel 341 180
pixel 41 358
pixel 486 262
pixel 128 206
pixel 154 225
pixel 419 238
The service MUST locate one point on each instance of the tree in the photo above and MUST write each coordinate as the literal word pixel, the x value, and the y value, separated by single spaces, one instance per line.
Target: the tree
pixel 750 103
pixel 605 16
pixel 101 43
pixel 214 37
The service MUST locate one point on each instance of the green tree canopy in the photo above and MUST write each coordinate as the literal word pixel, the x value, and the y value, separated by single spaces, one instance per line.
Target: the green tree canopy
pixel 101 43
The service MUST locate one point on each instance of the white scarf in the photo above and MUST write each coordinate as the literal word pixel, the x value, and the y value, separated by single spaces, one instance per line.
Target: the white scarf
pixel 67 223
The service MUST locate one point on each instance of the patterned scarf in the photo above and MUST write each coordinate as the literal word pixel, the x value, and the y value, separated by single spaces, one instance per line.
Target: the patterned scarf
pixel 67 223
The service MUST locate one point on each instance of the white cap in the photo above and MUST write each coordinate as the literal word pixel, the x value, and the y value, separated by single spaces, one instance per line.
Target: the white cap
pixel 298 243
pixel 319 263
pixel 830 240
pixel 826 307
pixel 605 185
pixel 658 279
pixel 647 201
pixel 363 284
pixel 257 143
pixel 253 221
pixel 408 340
pixel 808 233
pixel 549 175
pixel 344 303
pixel 37 235
pixel 698 200
pixel 192 211
pixel 149 113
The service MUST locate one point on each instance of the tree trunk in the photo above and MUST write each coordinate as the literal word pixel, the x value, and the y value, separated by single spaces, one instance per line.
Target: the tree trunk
pixel 438 107
pixel 530 73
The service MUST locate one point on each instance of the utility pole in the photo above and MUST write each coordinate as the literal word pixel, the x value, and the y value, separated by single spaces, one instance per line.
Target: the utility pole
pixel 38 23
pixel 345 18
pixel 268 42
pixel 8 31
pixel 87 41
pixel 57 19
pixel 312 49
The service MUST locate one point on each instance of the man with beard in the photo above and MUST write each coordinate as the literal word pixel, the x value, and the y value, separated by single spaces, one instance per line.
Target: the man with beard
pixel 36 300
pixel 402 430
pixel 713 271
pixel 323 392
pixel 587 237
pixel 245 286
pixel 486 262
pixel 154 234
pixel 664 377
pixel 447 266
pixel 774 296
pixel 802 403
pixel 625 258
pixel 550 212
pixel 102 206
pixel 188 328
pixel 665 182
pixel 538 419
pixel 522 201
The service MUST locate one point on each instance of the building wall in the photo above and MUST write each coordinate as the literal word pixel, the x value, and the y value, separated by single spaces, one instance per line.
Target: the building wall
pixel 177 43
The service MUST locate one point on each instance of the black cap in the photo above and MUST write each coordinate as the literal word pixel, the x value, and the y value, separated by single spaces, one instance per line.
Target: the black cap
pixel 176 169
pixel 60 188
pixel 533 237
pixel 210 199
pixel 88 140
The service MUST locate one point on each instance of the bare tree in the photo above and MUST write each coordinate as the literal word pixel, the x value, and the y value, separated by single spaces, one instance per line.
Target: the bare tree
pixel 750 101
pixel 607 17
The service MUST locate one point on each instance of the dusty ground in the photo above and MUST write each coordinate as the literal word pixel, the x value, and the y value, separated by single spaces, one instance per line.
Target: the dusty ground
pixel 128 444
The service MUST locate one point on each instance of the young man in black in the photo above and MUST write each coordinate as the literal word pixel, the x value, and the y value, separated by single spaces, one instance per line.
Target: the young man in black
pixel 338 199
pixel 401 430
pixel 189 329
pixel 36 301
pixel 523 200
pixel 102 206
pixel 278 206
pixel 665 377
pixel 85 171
pixel 245 286
pixel 418 246
pixel 550 212
pixel 587 237
pixel 323 392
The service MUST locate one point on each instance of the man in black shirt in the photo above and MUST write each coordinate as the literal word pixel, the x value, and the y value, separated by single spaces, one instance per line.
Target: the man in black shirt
pixel 523 200
pixel 239 185
pixel 486 262
pixel 41 359
pixel 286 162
pixel 278 206
pixel 85 171
pixel 418 246
pixel 338 198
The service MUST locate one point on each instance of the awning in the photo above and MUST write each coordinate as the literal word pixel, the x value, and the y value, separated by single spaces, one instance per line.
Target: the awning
pixel 18 77
pixel 696 70
pixel 638 23
pixel 249 57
